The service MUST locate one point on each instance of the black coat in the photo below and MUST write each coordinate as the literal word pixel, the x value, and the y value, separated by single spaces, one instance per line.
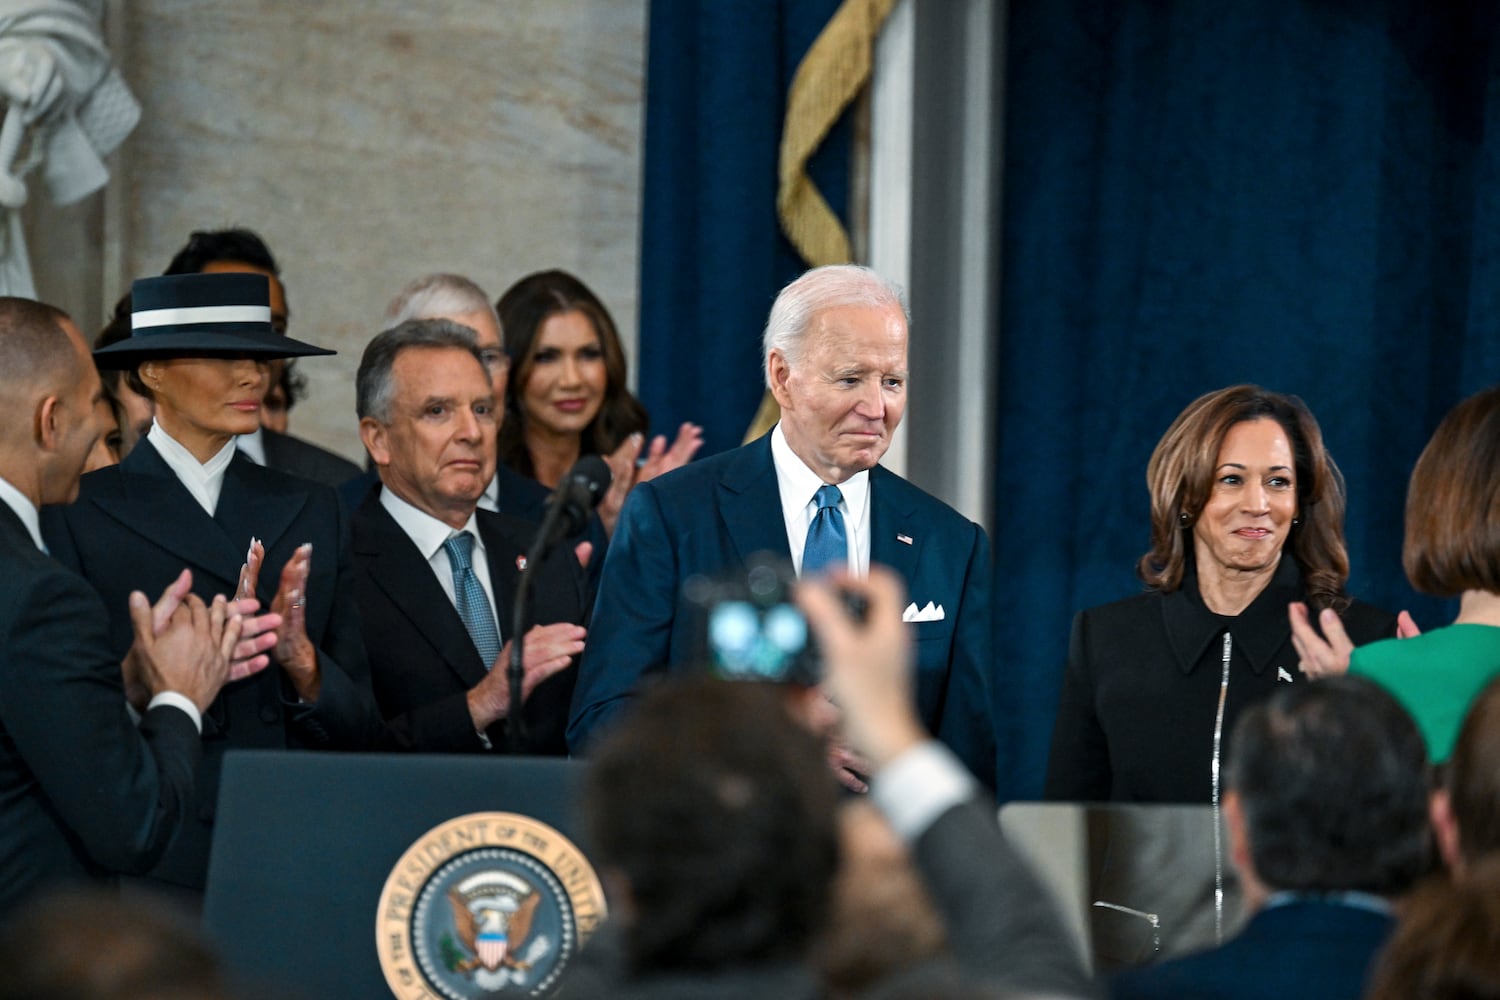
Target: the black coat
pixel 306 460
pixel 422 661
pixel 135 527
pixel 83 791
pixel 1305 950
pixel 1140 696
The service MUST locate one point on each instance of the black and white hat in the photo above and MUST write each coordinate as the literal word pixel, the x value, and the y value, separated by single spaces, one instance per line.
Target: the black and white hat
pixel 201 316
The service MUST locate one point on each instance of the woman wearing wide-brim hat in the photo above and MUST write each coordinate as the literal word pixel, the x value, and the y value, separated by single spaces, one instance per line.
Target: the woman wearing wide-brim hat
pixel 185 497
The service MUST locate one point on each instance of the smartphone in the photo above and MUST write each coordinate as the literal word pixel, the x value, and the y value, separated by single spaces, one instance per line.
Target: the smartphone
pixel 746 627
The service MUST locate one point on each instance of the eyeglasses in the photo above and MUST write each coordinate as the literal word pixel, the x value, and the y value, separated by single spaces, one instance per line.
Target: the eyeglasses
pixel 494 359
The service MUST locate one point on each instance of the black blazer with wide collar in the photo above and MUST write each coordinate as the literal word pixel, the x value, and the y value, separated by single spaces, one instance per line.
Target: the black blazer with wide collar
pixel 1140 694
pixel 422 661
pixel 135 527
pixel 306 460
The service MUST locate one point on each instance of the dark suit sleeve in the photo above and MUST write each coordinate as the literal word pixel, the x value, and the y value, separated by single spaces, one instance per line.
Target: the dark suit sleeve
pixel 630 635
pixel 120 789
pixel 443 725
pixel 1078 768
pixel 1003 925
pixel 345 716
pixel 967 723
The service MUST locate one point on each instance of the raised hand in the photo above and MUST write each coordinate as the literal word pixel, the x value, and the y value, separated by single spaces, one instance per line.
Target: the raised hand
pixel 622 469
pixel 546 650
pixel 294 650
pixel 191 654
pixel 660 458
pixel 866 666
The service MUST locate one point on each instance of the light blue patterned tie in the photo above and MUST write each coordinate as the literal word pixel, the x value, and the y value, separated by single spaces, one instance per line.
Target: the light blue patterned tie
pixel 826 542
pixel 473 606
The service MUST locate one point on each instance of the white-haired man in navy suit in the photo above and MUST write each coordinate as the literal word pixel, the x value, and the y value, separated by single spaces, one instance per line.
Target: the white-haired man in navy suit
pixel 811 491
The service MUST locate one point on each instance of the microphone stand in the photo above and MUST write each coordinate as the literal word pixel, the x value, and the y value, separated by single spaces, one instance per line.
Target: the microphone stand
pixel 567 513
pixel 515 668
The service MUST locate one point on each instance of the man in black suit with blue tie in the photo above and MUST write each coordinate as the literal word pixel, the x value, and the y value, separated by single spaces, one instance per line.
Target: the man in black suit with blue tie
pixel 436 574
pixel 810 491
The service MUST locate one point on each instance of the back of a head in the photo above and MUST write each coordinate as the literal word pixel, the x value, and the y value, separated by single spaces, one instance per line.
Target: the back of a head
pixel 91 945
pixel 437 295
pixel 1473 777
pixel 1447 942
pixel 36 355
pixel 1333 785
pixel 1452 539
pixel 718 810
pixel 208 246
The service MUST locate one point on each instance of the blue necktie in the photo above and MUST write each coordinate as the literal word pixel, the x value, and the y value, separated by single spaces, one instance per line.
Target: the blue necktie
pixel 473 606
pixel 826 542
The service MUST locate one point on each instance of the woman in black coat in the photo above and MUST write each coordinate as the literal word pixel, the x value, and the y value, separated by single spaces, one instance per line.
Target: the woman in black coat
pixel 1247 512
pixel 185 497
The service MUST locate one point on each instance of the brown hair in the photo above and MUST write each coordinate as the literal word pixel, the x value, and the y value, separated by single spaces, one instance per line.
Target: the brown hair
pixel 1453 503
pixel 718 809
pixel 1180 477
pixel 1473 777
pixel 1447 944
pixel 523 309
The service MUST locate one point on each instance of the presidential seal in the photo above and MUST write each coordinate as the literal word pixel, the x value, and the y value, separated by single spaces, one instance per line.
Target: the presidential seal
pixel 486 904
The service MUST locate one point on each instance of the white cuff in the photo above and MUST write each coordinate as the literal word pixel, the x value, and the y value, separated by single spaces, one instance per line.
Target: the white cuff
pixel 179 701
pixel 917 787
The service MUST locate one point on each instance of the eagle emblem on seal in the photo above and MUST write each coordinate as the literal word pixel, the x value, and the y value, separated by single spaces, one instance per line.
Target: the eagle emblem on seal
pixel 492 917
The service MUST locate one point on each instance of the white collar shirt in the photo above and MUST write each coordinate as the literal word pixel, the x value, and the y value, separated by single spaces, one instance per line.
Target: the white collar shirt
pixel 253 445
pixel 799 485
pixel 428 534
pixel 490 499
pixel 204 480
pixel 21 504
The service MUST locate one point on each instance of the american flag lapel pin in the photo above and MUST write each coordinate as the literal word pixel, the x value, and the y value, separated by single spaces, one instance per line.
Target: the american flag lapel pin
pixel 903 539
pixel 521 564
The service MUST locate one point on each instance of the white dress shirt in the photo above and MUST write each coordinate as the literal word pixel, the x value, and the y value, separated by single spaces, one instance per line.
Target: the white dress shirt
pixel 490 499
pixel 253 445
pixel 204 480
pixel 799 488
pixel 428 534
pixel 17 501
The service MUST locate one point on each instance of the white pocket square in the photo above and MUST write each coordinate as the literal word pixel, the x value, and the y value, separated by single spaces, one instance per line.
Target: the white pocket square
pixel 924 614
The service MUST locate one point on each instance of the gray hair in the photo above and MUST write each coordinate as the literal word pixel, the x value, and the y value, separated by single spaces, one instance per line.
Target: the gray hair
pixel 438 295
pixel 374 391
pixel 829 287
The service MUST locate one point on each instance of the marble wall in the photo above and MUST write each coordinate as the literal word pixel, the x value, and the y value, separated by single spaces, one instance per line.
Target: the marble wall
pixel 370 141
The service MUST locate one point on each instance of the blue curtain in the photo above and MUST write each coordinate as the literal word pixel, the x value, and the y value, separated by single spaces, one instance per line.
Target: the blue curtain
pixel 1305 195
pixel 712 253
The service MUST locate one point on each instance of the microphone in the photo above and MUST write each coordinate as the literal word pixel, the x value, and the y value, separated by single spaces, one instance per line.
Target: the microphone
pixel 567 514
pixel 568 508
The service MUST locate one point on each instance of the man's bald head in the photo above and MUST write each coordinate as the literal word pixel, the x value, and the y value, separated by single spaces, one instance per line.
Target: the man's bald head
pixel 48 389
pixel 37 357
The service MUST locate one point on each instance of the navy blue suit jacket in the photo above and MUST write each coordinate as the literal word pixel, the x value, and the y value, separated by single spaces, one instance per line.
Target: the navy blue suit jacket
pixel 1306 949
pixel 711 516
pixel 135 527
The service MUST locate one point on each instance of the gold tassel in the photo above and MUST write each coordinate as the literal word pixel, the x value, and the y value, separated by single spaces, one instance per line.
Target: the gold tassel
pixel 831 75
